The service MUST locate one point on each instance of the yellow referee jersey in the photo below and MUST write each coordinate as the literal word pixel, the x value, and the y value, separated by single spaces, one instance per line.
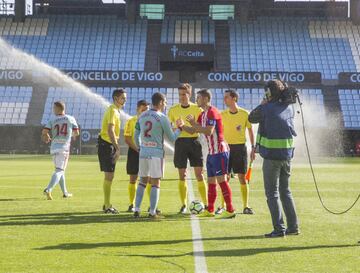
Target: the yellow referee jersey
pixel 235 125
pixel 177 111
pixel 111 116
pixel 129 129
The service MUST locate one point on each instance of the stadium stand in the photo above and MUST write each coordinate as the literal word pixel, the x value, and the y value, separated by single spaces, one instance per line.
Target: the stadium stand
pixel 89 113
pixel 294 44
pixel 14 104
pixel 188 30
pixel 350 107
pixel 339 30
pixel 78 42
pixel 249 98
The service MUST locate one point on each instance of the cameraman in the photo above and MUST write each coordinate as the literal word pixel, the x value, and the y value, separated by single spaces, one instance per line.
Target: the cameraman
pixel 275 143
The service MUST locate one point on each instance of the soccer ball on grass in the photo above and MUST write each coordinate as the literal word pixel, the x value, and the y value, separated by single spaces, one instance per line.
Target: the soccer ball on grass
pixel 196 207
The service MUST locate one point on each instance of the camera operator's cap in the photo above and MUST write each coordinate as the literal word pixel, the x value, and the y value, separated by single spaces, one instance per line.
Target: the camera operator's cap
pixel 142 103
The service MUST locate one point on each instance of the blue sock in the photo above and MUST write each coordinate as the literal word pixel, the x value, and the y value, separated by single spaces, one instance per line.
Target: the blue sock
pixel 62 183
pixel 154 199
pixel 54 179
pixel 140 193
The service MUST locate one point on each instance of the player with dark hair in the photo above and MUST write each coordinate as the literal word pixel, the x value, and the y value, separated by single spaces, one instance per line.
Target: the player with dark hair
pixel 210 124
pixel 151 127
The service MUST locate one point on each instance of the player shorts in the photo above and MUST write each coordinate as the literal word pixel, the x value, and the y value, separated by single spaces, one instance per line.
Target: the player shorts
pixel 217 164
pixel 238 158
pixel 132 163
pixel 151 166
pixel 61 159
pixel 106 153
pixel 188 148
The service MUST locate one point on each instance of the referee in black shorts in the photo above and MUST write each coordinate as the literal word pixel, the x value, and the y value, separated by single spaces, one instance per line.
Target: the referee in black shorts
pixel 108 145
pixel 187 146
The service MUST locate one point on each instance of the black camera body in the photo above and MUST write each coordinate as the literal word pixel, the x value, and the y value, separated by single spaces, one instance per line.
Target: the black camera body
pixel 289 95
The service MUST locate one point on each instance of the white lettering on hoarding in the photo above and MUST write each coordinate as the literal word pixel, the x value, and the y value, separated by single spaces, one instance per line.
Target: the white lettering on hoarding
pixel 254 77
pixel 11 75
pixel 355 77
pixel 115 76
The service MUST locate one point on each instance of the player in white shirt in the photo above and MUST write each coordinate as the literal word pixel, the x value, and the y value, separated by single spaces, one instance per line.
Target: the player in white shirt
pixel 62 128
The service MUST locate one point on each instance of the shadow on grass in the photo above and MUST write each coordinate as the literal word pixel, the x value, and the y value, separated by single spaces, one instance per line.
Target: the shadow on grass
pixel 76 218
pixel 208 253
pixel 17 199
pixel 80 246
pixel 243 252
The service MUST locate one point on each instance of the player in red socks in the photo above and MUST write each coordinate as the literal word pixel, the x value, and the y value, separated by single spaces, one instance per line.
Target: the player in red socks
pixel 210 124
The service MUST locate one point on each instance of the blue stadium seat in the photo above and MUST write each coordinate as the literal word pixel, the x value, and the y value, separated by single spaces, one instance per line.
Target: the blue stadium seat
pixel 251 43
pixel 76 44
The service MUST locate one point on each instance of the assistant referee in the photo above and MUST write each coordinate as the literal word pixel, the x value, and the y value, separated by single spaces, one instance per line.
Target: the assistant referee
pixel 108 145
pixel 235 120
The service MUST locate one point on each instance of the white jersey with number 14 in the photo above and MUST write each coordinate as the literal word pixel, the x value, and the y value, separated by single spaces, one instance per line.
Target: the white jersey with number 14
pixel 61 127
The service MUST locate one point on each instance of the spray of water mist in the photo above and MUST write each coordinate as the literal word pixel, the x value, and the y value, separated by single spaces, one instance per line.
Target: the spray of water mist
pixel 46 74
pixel 324 139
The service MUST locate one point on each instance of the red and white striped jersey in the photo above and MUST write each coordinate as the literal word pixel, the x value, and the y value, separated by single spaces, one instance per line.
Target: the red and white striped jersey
pixel 216 142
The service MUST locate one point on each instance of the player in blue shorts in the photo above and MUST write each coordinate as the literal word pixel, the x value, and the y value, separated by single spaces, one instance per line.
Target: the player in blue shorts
pixel 62 128
pixel 209 123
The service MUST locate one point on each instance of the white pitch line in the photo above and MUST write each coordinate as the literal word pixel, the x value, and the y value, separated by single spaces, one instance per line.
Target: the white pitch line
pixel 199 256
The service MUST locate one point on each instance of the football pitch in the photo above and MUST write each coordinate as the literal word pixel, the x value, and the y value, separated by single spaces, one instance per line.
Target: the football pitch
pixel 73 235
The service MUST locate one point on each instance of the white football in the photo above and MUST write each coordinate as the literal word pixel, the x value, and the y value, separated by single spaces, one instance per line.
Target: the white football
pixel 196 207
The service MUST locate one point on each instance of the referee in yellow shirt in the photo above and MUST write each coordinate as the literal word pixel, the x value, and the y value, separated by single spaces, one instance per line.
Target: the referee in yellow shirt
pixel 235 120
pixel 132 163
pixel 187 146
pixel 108 145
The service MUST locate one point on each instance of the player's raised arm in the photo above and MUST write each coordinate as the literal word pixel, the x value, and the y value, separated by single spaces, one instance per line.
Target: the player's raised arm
pixel 207 130
pixel 170 134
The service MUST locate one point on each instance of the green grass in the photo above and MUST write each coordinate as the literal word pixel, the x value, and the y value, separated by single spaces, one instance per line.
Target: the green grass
pixel 74 236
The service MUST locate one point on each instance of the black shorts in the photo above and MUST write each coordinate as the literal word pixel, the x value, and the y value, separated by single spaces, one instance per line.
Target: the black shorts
pixel 238 158
pixel 132 163
pixel 106 153
pixel 188 148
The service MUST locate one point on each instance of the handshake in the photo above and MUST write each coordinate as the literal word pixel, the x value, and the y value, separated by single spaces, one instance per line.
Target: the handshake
pixel 180 122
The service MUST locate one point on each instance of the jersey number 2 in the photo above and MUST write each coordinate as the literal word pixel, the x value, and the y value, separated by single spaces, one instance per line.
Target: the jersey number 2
pixel 148 125
pixel 61 131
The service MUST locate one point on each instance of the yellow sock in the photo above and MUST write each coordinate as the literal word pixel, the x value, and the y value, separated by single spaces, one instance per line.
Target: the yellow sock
pixel 132 192
pixel 148 189
pixel 203 191
pixel 245 194
pixel 107 192
pixel 222 200
pixel 183 192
